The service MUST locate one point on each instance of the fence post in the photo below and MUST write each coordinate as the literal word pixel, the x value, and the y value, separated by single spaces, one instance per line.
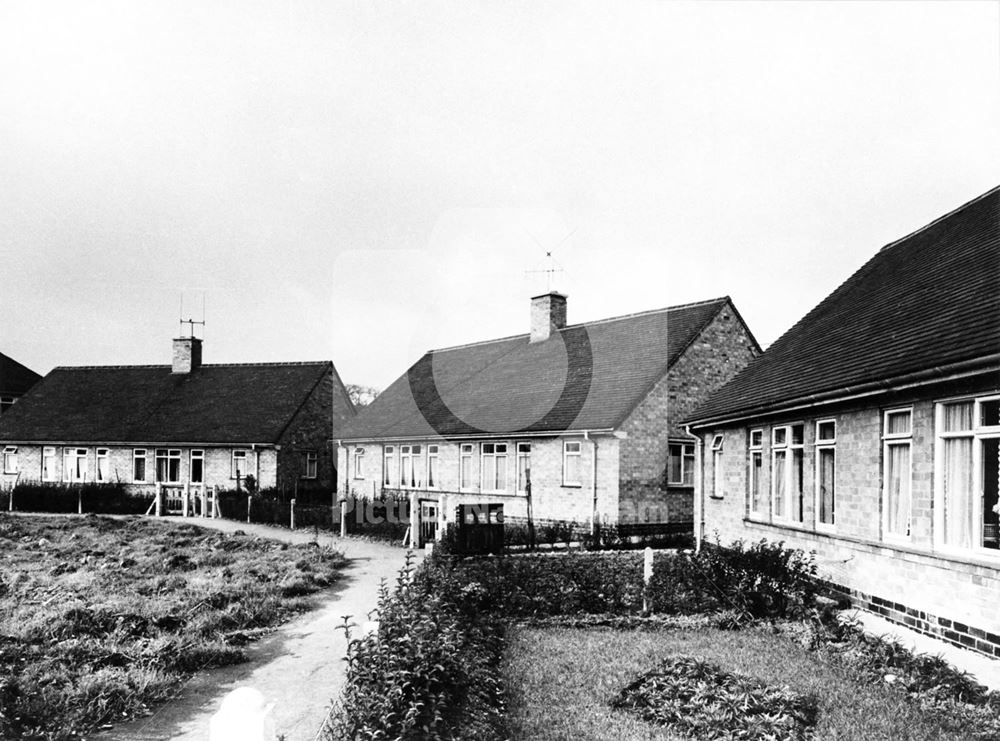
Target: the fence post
pixel 249 499
pixel 159 499
pixel 79 501
pixel 414 521
pixel 185 503
pixel 647 576
pixel 10 500
pixel 291 514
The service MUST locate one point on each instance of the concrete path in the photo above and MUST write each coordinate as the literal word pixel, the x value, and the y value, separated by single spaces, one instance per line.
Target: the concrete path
pixel 299 668
pixel 982 667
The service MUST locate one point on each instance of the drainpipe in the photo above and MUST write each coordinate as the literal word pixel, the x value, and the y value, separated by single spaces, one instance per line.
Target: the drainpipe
pixel 593 507
pixel 699 496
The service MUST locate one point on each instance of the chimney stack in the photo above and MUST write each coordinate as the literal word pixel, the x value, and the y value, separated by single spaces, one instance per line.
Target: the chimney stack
pixel 548 313
pixel 187 354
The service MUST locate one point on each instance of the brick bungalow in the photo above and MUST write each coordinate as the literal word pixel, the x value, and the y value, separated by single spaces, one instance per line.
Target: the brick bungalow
pixel 869 432
pixel 180 424
pixel 15 381
pixel 585 413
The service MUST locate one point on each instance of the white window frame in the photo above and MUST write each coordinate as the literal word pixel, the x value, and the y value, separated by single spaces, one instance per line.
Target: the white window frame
pixel 523 454
pixel 359 463
pixel 433 477
pixel 788 447
pixel 310 464
pixel 823 444
pixel 69 471
pixel 102 454
pixel 410 468
pixel 169 454
pixel 389 462
pixel 239 454
pixel 496 454
pixel 567 454
pixel 687 464
pixel 199 455
pixel 978 434
pixel 10 462
pixel 895 439
pixel 466 453
pixel 718 477
pixel 140 454
pixel 756 453
pixel 49 454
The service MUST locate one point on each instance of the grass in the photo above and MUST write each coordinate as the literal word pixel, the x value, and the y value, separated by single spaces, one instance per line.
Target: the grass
pixel 561 682
pixel 102 618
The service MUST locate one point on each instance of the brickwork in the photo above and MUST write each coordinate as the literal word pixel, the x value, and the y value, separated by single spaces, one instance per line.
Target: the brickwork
pixel 910 579
pixel 722 349
pixel 309 431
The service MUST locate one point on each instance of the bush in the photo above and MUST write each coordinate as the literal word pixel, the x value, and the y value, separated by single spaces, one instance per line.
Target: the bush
pixel 384 518
pixel 95 498
pixel 700 700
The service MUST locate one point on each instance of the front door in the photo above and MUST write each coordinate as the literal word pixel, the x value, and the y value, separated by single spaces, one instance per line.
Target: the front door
pixel 428 520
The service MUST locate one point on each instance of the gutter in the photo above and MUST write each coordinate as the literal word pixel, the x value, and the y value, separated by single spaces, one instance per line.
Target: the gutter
pixel 954 371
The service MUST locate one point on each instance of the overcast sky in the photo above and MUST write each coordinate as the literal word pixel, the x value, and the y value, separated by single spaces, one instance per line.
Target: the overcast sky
pixel 362 181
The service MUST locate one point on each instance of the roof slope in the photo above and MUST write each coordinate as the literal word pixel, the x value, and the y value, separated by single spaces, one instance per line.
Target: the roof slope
pixel 15 379
pixel 928 300
pixel 249 403
pixel 586 376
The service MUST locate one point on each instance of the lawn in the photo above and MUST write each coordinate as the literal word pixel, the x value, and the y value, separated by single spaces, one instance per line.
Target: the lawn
pixel 561 681
pixel 102 618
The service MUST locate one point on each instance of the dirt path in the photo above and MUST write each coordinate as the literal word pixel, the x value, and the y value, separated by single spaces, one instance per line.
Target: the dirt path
pixel 299 668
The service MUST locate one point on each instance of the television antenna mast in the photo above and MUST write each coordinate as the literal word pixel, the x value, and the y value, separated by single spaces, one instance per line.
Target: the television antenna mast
pixel 191 321
pixel 552 266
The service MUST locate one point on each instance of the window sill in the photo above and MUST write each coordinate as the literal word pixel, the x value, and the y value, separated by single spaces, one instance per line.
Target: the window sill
pixel 571 486
pixel 717 497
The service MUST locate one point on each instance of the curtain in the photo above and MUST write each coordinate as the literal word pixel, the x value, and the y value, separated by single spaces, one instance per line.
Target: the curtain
pixel 958 487
pixel 827 467
pixel 898 484
pixel 958 417
pixel 779 483
pixel 756 466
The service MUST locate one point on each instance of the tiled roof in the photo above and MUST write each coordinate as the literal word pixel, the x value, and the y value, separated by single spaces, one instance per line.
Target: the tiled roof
pixel 15 379
pixel 927 301
pixel 221 404
pixel 584 377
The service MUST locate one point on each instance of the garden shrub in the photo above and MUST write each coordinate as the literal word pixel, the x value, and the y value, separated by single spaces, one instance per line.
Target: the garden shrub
pixel 96 498
pixel 704 702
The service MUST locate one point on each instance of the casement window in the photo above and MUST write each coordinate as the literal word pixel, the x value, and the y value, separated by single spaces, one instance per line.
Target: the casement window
pixel 6 402
pixel 389 465
pixel 240 465
pixel 493 467
pixel 680 464
pixel 787 448
pixel 967 474
pixel 718 475
pixel 10 459
pixel 410 466
pixel 139 465
pixel 897 441
pixel 74 464
pixel 523 466
pixel 197 467
pixel 310 464
pixel 758 502
pixel 465 466
pixel 49 464
pixel 103 471
pixel 168 465
pixel 572 466
pixel 826 473
pixel 433 467
pixel 359 463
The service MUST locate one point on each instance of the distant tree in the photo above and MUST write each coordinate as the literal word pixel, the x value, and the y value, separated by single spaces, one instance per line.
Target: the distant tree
pixel 361 396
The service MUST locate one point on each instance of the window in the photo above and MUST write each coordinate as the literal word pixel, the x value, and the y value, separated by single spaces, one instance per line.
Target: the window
pixel 310 464
pixel 10 459
pixel 359 463
pixel 465 467
pixel 786 472
pixel 48 464
pixel 168 465
pixel 103 465
pixel 138 465
pixel 388 465
pixel 239 465
pixel 197 467
pixel 410 468
pixel 680 464
pixel 493 470
pixel 432 466
pixel 572 452
pixel 6 402
pixel 75 464
pixel 967 470
pixel 826 473
pixel 523 466
pixel 718 478
pixel 758 504
pixel 897 439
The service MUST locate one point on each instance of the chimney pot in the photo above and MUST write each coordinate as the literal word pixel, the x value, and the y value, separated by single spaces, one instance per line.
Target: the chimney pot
pixel 548 314
pixel 187 354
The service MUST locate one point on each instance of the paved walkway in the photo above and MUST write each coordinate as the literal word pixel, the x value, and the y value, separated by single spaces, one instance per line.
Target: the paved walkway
pixel 983 668
pixel 299 668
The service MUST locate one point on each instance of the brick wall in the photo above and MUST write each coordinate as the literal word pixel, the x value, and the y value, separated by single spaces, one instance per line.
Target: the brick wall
pixel 311 430
pixel 722 349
